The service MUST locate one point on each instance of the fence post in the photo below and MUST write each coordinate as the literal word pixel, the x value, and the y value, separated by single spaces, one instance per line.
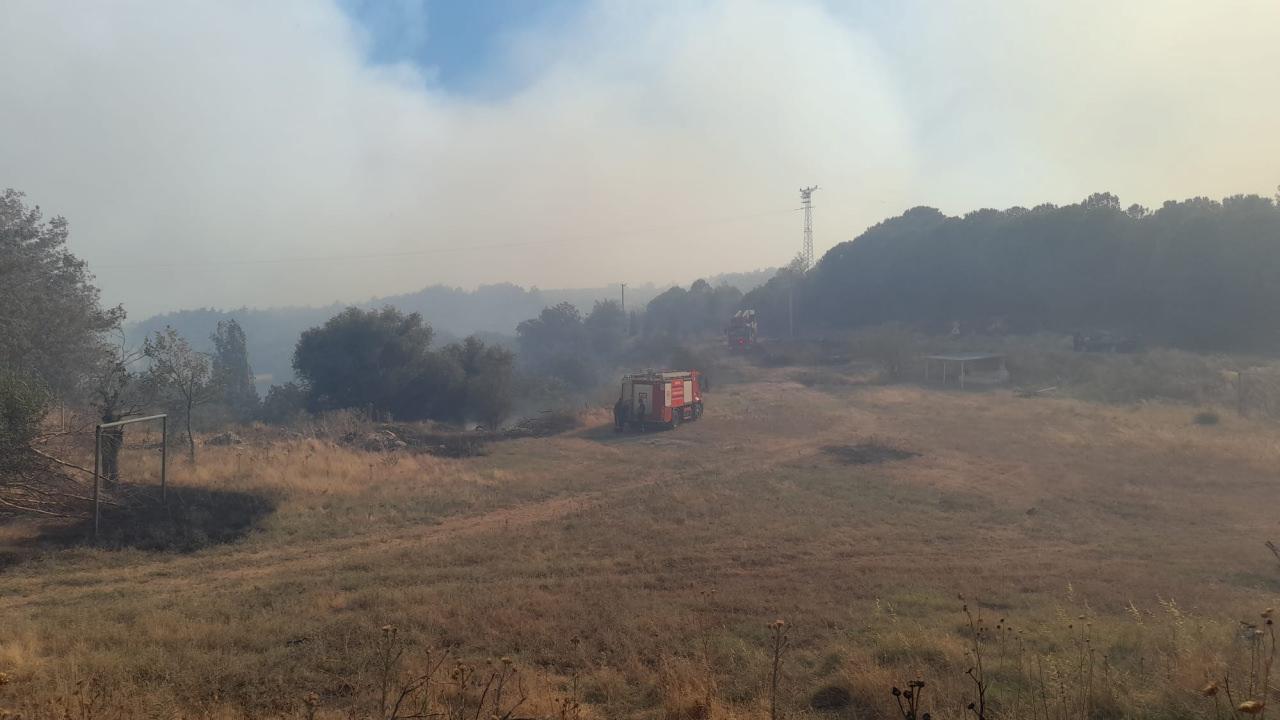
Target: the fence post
pixel 97 460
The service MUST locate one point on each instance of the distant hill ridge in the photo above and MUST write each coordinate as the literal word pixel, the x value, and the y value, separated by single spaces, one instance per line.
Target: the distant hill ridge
pixel 490 311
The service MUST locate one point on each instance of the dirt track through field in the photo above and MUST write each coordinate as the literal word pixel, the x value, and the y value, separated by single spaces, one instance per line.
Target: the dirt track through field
pixel 173 574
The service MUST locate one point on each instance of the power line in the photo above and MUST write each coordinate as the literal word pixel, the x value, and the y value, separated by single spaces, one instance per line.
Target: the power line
pixel 431 251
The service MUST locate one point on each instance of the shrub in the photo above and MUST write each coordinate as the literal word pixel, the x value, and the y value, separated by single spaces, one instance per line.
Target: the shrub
pixel 23 404
pixel 894 348
pixel 284 403
pixel 1207 417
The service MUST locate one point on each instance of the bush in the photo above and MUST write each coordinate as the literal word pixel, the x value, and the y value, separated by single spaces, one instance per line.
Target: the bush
pixel 284 403
pixel 1155 375
pixel 23 404
pixel 1205 418
pixel 29 481
pixel 894 348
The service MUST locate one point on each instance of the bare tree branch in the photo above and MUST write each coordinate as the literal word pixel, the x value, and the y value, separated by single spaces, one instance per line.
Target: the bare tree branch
pixel 63 463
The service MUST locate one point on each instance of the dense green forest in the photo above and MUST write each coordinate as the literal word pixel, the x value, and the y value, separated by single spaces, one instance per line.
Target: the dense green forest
pixel 1198 274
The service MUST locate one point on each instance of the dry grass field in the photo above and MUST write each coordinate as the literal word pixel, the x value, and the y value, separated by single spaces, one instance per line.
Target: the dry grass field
pixel 1111 552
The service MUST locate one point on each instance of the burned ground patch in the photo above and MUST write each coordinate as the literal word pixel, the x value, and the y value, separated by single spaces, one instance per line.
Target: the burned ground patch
pixel 449 443
pixel 868 453
pixel 187 520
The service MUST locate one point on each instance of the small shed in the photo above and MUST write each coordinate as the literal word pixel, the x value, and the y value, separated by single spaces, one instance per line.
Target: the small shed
pixel 983 368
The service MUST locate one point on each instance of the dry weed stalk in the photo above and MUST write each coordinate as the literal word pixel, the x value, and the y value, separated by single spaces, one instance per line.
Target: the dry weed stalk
pixel 708 666
pixel 569 707
pixel 909 701
pixel 469 693
pixel 91 699
pixel 781 640
pixel 977 673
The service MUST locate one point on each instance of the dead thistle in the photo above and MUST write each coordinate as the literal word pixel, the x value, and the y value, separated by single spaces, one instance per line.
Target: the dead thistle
pixel 909 701
pixel 781 640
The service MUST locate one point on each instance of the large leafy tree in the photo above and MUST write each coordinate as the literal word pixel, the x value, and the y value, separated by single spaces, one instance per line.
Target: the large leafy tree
pixel 51 319
pixel 485 390
pixel 606 328
pixel 556 343
pixel 362 358
pixel 381 359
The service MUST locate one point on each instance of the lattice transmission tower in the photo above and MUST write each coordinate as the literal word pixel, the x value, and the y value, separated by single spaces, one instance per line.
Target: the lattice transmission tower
pixel 806 252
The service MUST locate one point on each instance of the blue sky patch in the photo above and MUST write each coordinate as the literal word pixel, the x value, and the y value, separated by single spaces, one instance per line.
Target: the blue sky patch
pixel 459 43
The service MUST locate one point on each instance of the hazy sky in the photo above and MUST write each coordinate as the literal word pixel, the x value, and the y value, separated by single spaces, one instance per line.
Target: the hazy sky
pixel 255 153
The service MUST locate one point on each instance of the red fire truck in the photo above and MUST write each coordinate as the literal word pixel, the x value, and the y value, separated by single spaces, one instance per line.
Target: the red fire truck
pixel 741 332
pixel 659 399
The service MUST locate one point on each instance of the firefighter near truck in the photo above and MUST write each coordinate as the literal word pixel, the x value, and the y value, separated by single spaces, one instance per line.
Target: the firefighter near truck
pixel 653 400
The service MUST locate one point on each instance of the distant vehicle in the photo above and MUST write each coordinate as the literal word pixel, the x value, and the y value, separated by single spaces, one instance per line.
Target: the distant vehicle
pixel 658 399
pixel 1104 341
pixel 741 332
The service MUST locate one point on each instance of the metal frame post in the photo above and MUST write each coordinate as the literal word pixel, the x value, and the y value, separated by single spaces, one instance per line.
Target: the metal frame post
pixel 97 459
pixel 97 464
pixel 164 458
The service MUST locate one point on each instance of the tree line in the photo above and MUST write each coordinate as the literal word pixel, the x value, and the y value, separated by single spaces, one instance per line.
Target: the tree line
pixel 489 312
pixel 1198 274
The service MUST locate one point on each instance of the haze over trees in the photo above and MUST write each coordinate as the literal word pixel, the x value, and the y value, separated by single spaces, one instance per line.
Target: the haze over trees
pixel 700 310
pixel 490 312
pixel 581 352
pixel 1199 274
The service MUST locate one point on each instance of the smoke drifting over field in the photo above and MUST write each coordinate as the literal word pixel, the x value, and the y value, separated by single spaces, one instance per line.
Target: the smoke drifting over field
pixel 193 145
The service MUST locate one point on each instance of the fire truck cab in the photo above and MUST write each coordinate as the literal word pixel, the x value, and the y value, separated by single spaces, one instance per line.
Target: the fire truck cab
pixel 660 399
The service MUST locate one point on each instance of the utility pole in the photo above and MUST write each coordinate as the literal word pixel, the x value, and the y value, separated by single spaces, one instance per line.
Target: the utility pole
pixel 806 252
pixel 624 297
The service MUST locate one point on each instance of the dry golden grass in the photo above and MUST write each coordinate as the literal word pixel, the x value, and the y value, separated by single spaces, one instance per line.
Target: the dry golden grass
pixel 635 576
